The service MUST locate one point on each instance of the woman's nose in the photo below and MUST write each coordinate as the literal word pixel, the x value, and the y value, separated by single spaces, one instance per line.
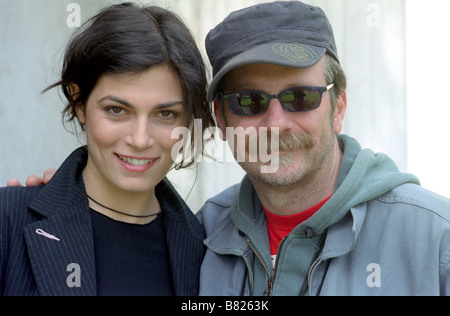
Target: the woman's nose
pixel 140 135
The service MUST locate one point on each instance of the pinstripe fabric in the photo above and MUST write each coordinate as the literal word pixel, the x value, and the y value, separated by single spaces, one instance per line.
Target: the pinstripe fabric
pixel 185 237
pixel 33 264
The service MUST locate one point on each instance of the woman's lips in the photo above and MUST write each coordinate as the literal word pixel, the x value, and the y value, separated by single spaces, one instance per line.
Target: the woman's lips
pixel 135 164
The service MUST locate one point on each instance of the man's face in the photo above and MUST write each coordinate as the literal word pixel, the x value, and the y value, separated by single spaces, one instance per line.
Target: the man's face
pixel 307 140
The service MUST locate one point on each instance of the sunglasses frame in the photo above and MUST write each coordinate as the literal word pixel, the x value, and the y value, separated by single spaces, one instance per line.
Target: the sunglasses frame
pixel 321 91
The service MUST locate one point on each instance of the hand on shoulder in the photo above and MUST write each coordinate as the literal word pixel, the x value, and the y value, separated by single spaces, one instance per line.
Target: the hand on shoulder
pixel 34 179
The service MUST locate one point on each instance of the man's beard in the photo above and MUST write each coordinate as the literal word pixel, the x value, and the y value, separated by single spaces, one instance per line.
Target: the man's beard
pixel 288 149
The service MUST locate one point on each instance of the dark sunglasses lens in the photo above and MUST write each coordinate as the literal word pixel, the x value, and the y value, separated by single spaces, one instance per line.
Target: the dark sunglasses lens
pixel 248 103
pixel 301 99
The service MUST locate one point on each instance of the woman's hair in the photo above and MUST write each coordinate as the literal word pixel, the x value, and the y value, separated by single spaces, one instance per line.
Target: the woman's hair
pixel 128 38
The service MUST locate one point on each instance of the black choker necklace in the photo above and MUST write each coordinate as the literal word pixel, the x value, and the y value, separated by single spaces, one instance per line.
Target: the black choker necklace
pixel 111 209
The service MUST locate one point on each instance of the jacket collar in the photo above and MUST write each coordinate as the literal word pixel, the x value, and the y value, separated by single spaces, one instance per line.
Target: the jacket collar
pixel 65 215
pixel 342 236
pixel 66 188
pixel 244 219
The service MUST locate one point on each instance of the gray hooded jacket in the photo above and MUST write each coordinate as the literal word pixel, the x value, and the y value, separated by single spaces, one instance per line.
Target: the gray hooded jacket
pixel 379 234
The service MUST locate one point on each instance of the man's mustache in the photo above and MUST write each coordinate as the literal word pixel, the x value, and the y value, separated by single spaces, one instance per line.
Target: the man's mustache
pixel 286 142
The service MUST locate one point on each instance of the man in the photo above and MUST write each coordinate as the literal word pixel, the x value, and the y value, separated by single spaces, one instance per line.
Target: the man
pixel 333 219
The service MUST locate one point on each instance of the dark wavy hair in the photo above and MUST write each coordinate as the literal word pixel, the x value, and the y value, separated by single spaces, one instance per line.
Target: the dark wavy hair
pixel 128 38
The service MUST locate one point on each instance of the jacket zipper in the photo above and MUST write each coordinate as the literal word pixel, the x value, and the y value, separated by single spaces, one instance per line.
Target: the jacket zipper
pixel 310 272
pixel 271 279
pixel 276 263
pixel 247 261
pixel 268 291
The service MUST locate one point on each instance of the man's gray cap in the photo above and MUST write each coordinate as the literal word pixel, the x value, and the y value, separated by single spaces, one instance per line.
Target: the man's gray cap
pixel 286 33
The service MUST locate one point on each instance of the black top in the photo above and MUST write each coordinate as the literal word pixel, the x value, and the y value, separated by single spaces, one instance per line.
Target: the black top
pixel 131 259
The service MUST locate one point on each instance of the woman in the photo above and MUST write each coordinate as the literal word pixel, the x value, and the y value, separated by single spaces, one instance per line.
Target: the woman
pixel 109 223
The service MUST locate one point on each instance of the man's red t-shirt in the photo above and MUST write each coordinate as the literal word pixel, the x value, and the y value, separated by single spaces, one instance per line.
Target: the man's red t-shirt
pixel 281 226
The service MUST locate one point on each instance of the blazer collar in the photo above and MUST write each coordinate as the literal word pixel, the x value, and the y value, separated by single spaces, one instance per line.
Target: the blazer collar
pixel 60 246
pixel 66 188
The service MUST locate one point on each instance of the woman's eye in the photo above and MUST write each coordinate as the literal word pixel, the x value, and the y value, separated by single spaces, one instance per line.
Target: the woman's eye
pixel 167 114
pixel 117 110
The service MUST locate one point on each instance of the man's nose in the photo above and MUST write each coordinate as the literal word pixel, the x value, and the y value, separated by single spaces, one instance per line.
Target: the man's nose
pixel 277 116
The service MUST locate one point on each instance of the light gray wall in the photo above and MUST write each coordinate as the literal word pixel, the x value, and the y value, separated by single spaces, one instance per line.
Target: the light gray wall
pixel 33 35
pixel 370 36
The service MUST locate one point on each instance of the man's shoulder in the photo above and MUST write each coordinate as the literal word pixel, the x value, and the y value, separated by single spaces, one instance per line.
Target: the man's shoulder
pixel 223 199
pixel 418 198
pixel 217 207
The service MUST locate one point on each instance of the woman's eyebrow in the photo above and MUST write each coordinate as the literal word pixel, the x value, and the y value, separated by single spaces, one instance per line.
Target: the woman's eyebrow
pixel 115 99
pixel 169 105
pixel 128 104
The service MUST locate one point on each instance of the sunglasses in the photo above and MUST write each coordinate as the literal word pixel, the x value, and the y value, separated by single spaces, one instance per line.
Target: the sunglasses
pixel 251 103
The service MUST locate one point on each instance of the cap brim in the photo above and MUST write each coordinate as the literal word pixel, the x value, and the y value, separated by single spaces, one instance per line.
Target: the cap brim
pixel 283 54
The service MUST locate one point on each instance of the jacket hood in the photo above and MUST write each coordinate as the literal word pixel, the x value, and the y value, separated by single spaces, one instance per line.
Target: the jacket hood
pixel 364 175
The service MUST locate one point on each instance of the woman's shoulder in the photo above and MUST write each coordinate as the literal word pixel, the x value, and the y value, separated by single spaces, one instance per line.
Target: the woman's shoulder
pixel 19 191
pixel 15 213
pixel 15 200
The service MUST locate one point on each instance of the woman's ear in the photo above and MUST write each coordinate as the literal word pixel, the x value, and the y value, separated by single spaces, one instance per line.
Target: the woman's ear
pixel 74 90
pixel 79 109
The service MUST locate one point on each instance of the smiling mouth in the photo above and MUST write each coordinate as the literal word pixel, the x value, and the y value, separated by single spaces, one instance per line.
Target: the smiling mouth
pixel 135 161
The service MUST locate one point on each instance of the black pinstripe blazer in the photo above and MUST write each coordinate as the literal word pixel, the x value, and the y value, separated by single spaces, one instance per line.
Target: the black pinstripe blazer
pixel 45 229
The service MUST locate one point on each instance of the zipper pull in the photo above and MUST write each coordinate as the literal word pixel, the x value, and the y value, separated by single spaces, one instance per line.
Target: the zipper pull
pixel 269 287
pixel 270 280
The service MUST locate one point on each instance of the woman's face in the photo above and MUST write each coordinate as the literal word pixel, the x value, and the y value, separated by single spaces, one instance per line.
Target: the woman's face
pixel 129 119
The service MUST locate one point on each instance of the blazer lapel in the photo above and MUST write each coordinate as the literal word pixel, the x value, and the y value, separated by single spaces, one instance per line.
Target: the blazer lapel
pixel 61 245
pixel 61 252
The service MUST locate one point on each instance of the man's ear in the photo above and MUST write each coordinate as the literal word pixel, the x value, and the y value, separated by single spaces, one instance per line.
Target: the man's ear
pixel 220 120
pixel 74 91
pixel 339 112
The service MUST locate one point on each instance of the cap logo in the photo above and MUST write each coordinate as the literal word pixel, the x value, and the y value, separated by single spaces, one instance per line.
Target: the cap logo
pixel 296 53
